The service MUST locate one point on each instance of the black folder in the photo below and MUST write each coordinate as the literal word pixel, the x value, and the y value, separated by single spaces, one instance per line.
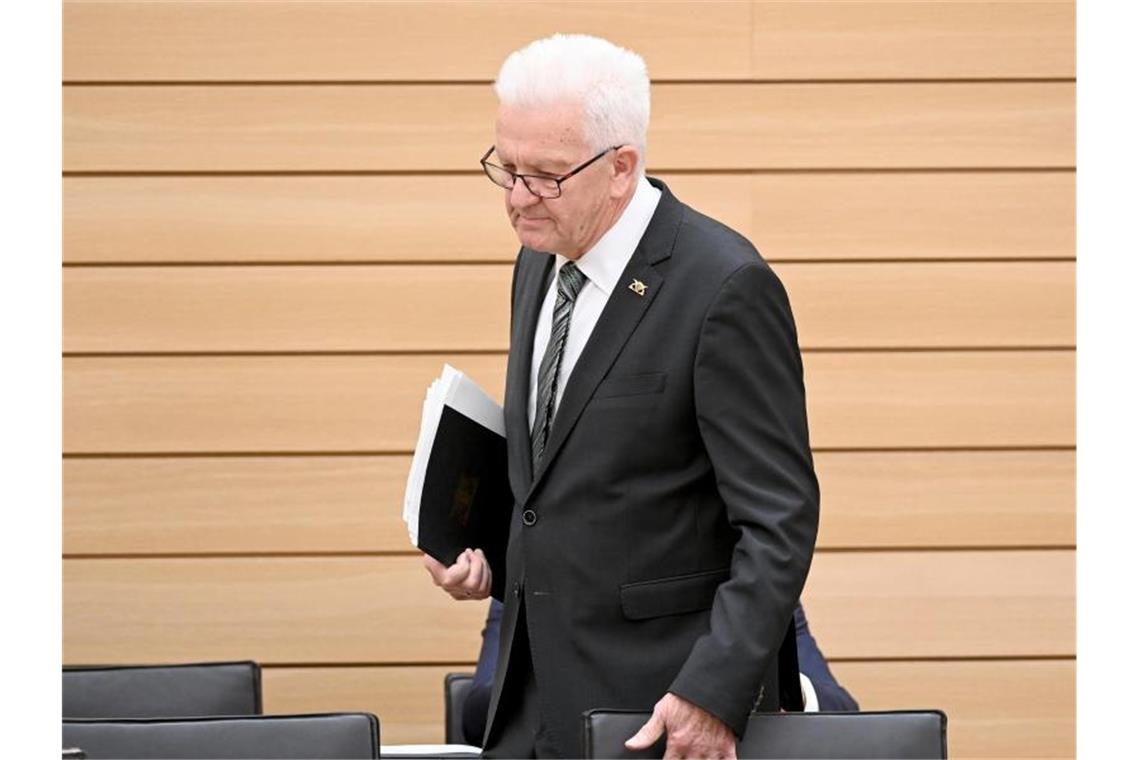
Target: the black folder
pixel 458 494
pixel 466 499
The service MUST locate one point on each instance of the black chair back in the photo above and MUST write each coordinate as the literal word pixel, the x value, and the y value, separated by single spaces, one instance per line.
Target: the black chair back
pixel 162 691
pixel 330 735
pixel 455 688
pixel 901 735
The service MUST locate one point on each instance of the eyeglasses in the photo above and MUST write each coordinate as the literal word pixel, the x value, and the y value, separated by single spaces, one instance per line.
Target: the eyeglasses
pixel 540 185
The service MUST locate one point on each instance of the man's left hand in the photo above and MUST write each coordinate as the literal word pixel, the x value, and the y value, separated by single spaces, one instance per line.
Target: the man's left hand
pixel 469 578
pixel 690 731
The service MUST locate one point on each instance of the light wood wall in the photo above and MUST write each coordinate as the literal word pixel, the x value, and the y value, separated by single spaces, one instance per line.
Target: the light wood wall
pixel 271 208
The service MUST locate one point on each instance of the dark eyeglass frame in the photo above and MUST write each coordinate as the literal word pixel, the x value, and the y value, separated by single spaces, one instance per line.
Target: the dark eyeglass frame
pixel 516 176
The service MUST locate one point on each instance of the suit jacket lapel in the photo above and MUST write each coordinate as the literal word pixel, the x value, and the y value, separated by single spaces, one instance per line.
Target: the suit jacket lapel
pixel 534 270
pixel 617 322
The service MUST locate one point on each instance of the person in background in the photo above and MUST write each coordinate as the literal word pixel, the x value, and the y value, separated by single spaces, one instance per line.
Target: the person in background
pixel 822 692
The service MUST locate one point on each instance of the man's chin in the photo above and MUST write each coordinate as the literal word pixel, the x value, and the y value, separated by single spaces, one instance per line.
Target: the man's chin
pixel 531 239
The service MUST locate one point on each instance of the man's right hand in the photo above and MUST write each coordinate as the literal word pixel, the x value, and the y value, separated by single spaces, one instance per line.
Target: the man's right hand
pixel 468 578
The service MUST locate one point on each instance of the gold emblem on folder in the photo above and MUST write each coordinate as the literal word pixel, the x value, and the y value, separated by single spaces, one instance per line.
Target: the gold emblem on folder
pixel 637 286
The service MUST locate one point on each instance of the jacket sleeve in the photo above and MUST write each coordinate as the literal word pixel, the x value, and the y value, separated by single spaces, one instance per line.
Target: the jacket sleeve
pixel 751 412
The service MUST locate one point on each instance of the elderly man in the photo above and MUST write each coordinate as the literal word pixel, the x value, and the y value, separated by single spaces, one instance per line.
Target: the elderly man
pixel 665 503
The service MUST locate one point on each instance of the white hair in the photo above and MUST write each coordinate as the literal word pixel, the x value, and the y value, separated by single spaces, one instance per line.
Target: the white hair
pixel 610 83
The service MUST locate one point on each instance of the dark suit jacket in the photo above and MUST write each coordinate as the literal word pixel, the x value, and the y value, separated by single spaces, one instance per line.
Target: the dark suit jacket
pixel 676 506
pixel 831 695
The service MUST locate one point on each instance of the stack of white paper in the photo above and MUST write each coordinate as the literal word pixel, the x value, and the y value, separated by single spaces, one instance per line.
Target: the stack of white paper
pixel 459 392
pixel 430 750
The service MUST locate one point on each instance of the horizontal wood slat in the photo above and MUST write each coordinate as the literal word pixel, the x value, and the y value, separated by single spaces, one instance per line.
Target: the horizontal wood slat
pixel 467 308
pixel 312 308
pixel 959 399
pixel 408 699
pixel 992 603
pixel 908 40
pixel 455 41
pixel 1013 708
pixel 176 505
pixel 352 503
pixel 951 499
pixel 447 127
pixel 373 41
pixel 255 404
pixel 372 403
pixel 385 218
pixel 385 609
pixel 293 610
pixel 995 708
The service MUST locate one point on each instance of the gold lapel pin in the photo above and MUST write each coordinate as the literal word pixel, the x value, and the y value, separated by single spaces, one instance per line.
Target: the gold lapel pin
pixel 637 286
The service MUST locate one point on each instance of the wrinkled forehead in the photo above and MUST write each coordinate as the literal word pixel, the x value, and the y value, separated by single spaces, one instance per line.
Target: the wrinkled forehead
pixel 553 133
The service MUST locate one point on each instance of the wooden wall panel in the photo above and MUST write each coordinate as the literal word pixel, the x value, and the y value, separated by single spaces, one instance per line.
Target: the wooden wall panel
pixel 272 610
pixel 194 505
pixel 791 126
pixel 947 498
pixel 370 41
pixel 971 603
pixel 372 403
pixel 311 219
pixel 312 308
pixel 427 218
pixel 918 215
pixel 373 610
pixel 352 503
pixel 932 305
pixel 409 700
pixel 934 400
pixel 910 40
pixel 291 127
pixel 255 404
pixel 1016 708
pixel 467 308
pixel 453 41
pixel 447 127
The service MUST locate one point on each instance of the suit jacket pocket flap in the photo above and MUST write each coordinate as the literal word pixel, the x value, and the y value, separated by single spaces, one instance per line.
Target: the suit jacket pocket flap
pixel 631 385
pixel 671 596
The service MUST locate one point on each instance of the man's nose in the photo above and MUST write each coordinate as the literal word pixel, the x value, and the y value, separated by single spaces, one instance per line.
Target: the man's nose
pixel 521 197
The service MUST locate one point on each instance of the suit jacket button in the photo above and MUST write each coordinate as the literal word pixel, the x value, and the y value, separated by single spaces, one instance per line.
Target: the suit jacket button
pixel 516 591
pixel 530 517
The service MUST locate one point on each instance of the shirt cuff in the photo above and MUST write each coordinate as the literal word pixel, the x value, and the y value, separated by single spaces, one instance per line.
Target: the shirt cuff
pixel 811 701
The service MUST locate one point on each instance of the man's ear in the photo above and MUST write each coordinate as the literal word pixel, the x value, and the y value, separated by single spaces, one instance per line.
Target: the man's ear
pixel 624 169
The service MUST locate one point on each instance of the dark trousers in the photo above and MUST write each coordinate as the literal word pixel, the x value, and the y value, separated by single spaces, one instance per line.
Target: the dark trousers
pixel 517 732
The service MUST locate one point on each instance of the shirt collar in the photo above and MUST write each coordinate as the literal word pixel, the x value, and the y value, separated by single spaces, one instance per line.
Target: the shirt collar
pixel 604 263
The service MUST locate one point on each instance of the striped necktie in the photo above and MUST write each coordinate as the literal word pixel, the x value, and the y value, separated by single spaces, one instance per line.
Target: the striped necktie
pixel 570 281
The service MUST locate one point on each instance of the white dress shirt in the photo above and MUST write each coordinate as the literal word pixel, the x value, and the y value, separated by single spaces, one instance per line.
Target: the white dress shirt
pixel 811 701
pixel 602 265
